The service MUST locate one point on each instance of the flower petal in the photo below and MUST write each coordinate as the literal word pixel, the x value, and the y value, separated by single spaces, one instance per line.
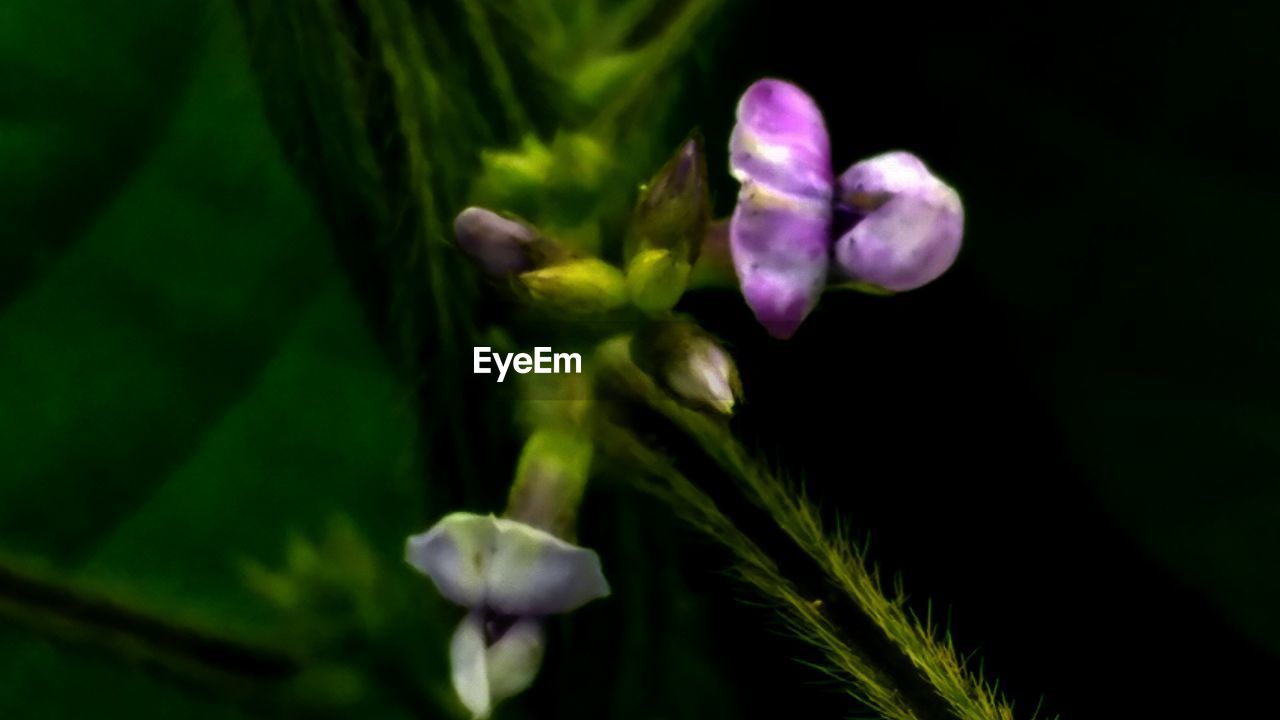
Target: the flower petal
pixel 780 140
pixel 456 554
pixel 867 184
pixel 780 231
pixel 514 660
pixel 469 667
pixel 780 248
pixel 535 573
pixel 912 228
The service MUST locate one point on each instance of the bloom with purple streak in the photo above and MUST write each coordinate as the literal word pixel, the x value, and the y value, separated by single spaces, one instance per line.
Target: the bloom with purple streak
pixel 780 233
pixel 898 225
pixel 908 223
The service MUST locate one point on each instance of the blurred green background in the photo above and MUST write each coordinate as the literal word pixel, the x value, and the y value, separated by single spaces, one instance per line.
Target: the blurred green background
pixel 210 412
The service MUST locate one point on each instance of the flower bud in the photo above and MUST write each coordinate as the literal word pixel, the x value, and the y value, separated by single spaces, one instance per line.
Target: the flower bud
pixel 514 178
pixel 667 227
pixel 582 161
pixel 500 245
pixel 690 364
pixel 780 231
pixel 908 223
pixel 580 286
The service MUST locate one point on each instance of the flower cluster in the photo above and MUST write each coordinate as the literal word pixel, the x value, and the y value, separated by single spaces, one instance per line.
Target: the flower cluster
pixel 888 221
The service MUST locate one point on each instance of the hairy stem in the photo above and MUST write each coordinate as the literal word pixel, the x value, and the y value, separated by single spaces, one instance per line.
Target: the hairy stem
pixel 919 676
pixel 802 614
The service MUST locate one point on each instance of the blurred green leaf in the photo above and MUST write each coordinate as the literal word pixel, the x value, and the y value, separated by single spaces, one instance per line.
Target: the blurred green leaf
pixel 190 381
pixel 187 380
pixel 88 89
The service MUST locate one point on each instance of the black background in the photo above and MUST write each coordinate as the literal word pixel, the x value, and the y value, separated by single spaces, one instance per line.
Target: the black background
pixel 1032 440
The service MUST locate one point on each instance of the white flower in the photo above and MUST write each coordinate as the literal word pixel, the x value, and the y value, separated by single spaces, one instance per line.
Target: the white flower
pixel 509 575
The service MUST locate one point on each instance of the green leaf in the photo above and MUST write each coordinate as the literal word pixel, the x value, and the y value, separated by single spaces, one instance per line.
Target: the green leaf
pixel 187 383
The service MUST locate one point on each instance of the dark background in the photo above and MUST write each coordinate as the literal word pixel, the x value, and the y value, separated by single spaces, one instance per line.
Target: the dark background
pixel 1069 444
pixel 1070 440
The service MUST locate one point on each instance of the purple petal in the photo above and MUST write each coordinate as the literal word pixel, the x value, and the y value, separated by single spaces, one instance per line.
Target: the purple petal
pixel 780 231
pixel 780 246
pixel 912 225
pixel 867 184
pixel 780 140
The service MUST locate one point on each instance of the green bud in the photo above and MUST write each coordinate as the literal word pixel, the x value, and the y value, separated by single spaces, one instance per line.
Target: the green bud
pixel 656 279
pixel 690 364
pixel 580 163
pixel 582 286
pixel 550 479
pixel 514 178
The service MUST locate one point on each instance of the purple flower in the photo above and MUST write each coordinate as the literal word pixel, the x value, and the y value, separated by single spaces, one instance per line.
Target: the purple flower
pixel 907 224
pixel 780 234
pixel 909 227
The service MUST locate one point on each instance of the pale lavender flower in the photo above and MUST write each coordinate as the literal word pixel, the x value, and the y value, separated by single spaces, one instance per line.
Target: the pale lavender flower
pixel 909 223
pixel 780 231
pixel 510 573
pixel 510 576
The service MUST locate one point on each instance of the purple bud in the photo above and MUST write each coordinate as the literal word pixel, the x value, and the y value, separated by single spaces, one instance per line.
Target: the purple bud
pixel 780 231
pixel 500 246
pixel 909 223
pixel 674 206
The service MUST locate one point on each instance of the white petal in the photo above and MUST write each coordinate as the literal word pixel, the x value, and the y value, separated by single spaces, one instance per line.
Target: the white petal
pixel 514 660
pixel 469 665
pixel 535 573
pixel 455 554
